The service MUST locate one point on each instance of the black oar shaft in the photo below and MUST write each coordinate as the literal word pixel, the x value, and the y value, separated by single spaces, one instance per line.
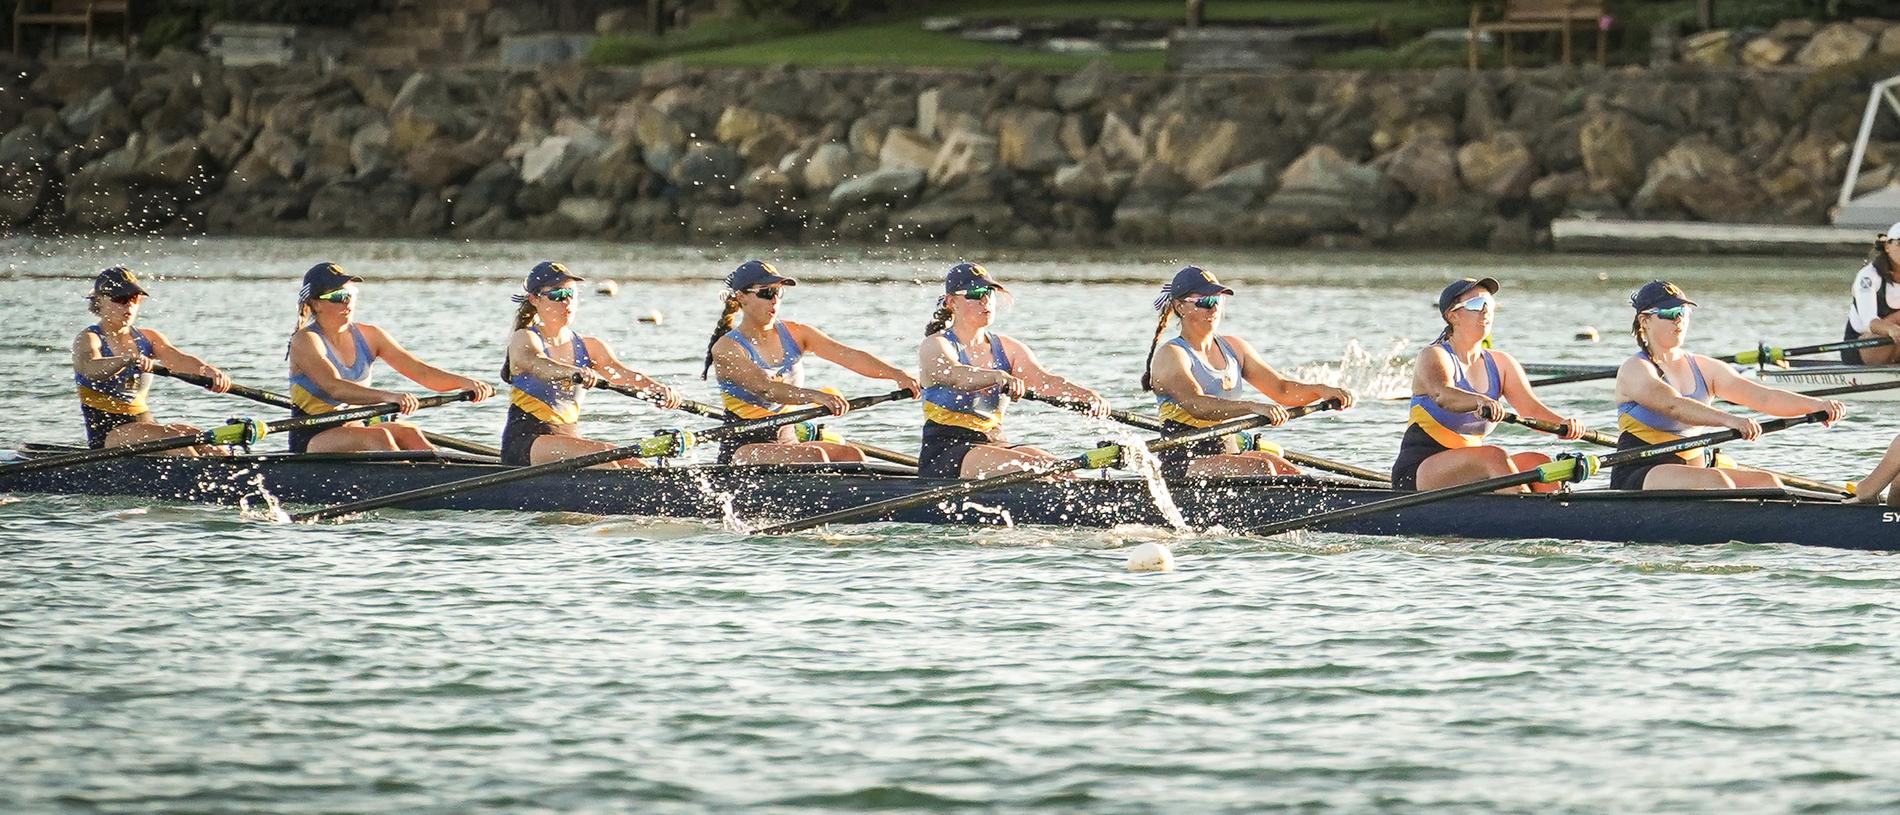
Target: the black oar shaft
pixel 207 437
pixel 1520 479
pixel 1134 419
pixel 1749 357
pixel 1605 440
pixel 634 450
pixel 1087 460
pixel 282 401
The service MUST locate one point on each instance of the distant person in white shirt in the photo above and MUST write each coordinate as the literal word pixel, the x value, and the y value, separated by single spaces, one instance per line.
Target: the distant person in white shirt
pixel 1876 308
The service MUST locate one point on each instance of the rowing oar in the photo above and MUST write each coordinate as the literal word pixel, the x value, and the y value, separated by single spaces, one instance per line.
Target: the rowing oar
pixel 1133 419
pixel 236 431
pixel 282 401
pixel 1758 354
pixel 804 434
pixel 1568 467
pixel 663 444
pixel 1100 457
pixel 1602 439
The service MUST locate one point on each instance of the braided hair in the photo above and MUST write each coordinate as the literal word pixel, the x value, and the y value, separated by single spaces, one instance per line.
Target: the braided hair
pixel 720 329
pixel 1161 327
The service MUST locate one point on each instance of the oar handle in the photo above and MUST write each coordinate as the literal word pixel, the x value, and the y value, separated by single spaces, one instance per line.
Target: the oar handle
pixel 687 405
pixel 1595 437
pixel 245 391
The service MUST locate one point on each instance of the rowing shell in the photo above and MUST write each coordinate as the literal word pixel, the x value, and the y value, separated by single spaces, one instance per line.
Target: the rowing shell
pixel 760 494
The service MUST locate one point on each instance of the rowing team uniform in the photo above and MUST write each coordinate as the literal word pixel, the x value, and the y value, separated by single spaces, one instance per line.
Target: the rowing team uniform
pixel 742 404
pixel 955 421
pixel 309 400
pixel 117 400
pixel 1223 384
pixel 1642 426
pixel 1432 429
pixel 538 407
pixel 1875 297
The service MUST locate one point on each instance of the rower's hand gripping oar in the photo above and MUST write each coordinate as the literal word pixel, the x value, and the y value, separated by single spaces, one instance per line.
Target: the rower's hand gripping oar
pixel 664 444
pixel 1602 439
pixel 806 430
pixel 235 432
pixel 1099 458
pixel 1144 422
pixel 282 401
pixel 1568 467
pixel 1757 355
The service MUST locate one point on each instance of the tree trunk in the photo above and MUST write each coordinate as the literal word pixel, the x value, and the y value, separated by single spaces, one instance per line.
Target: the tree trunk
pixel 1705 14
pixel 1196 13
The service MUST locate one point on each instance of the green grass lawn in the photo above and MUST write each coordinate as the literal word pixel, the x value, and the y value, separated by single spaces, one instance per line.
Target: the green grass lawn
pixel 901 41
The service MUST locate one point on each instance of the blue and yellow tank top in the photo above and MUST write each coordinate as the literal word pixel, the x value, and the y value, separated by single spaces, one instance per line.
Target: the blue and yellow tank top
pixel 123 392
pixel 310 399
pixel 1653 427
pixel 978 410
pixel 552 402
pixel 1224 384
pixel 790 370
pixel 1453 429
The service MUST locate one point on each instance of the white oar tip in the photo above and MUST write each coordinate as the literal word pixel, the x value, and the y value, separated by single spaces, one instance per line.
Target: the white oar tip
pixel 1588 333
pixel 1150 557
pixel 607 288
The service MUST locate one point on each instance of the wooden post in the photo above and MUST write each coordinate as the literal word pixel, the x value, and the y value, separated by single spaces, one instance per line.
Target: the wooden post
pixel 1705 14
pixel 1196 13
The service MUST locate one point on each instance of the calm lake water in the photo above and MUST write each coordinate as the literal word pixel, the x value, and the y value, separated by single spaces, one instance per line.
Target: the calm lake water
pixel 167 658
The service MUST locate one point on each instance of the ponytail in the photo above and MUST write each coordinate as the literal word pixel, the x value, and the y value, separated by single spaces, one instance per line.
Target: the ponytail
pixel 303 315
pixel 1642 342
pixel 720 329
pixel 939 320
pixel 1161 326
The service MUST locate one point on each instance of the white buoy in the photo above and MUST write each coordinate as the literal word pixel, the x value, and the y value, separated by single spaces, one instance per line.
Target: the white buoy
pixel 652 317
pixel 1588 333
pixel 607 288
pixel 1150 557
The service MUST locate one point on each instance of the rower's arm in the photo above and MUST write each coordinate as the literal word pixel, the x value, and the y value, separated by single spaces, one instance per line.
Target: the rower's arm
pixel 733 365
pixel 1038 378
pixel 1726 384
pixel 1173 377
pixel 528 354
pixel 1639 382
pixel 940 367
pixel 90 360
pixel 1279 387
pixel 1432 377
pixel 171 357
pixel 306 356
pixel 1516 389
pixel 617 372
pixel 422 373
pixel 855 360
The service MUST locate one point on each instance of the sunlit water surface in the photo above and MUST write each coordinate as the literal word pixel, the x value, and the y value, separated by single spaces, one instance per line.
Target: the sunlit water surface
pixel 192 659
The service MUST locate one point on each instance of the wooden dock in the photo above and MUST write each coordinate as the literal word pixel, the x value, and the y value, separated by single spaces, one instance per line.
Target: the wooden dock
pixel 1693 238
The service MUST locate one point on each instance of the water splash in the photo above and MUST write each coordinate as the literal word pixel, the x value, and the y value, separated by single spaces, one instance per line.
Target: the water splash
pixel 968 505
pixel 1135 457
pixel 1371 376
pixel 267 508
pixel 728 516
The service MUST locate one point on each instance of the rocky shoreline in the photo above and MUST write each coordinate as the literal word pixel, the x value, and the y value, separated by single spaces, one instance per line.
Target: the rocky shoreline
pixel 1447 159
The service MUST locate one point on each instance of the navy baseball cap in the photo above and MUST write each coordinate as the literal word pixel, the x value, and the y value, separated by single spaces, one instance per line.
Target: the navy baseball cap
pixel 117 281
pixel 967 276
pixel 1659 294
pixel 548 273
pixel 1458 287
pixel 1191 281
pixel 324 278
pixel 755 273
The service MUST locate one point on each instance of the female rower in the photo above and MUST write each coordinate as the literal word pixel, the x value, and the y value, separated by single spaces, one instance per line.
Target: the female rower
pixel 112 364
pixel 968 372
pixel 330 359
pixel 754 388
pixel 1456 387
pixel 1664 392
pixel 1875 310
pixel 1868 490
pixel 548 365
pixel 1196 378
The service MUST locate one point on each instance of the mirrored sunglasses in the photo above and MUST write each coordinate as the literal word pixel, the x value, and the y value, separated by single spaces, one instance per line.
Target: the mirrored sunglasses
pixel 560 295
pixel 979 293
pixel 1672 313
pixel 1481 303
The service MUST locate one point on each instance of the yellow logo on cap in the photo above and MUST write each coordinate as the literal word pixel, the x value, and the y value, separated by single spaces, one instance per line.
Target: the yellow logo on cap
pixel 1672 290
pixel 979 271
pixel 557 268
pixel 131 278
pixel 769 268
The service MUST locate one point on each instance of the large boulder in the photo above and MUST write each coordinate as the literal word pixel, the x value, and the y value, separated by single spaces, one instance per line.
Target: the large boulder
pixel 1208 214
pixel 1715 49
pixel 881 189
pixel 553 161
pixel 828 164
pixel 1890 40
pixel 1090 182
pixel 1462 223
pixel 1698 179
pixel 965 155
pixel 1837 44
pixel 904 147
pixel 943 111
pixel 424 111
pixel 1323 191
pixel 1120 145
pixel 1027 139
pixel 710 169
pixel 1142 214
pixel 369 150
pixel 440 164
pixel 1765 52
pixel 490 189
pixel 1426 168
pixel 25 175
pixel 738 124
pixel 589 215
pixel 1617 151
pixel 1085 87
pixel 1500 168
pixel 179 164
